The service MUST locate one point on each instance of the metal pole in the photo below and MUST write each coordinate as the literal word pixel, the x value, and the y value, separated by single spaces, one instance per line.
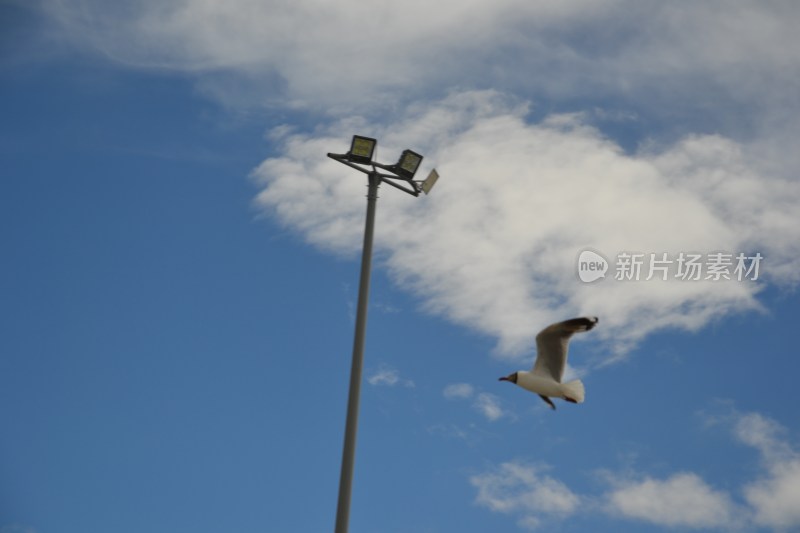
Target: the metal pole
pixel 351 426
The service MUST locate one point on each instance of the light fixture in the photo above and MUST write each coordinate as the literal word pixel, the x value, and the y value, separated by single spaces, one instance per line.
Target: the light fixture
pixel 362 149
pixel 408 164
pixel 429 182
pixel 399 175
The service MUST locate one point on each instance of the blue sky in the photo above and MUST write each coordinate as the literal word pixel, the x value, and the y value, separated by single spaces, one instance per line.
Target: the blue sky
pixel 180 263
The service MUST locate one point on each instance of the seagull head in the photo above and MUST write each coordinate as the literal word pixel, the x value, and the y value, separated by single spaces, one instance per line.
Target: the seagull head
pixel 511 377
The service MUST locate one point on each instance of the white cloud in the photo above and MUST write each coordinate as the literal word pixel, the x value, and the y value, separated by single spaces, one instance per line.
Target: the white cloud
pixel 775 496
pixel 332 56
pixel 458 390
pixel 489 406
pixel 485 403
pixel 682 500
pixel 523 490
pixel 384 376
pixel 389 377
pixel 494 247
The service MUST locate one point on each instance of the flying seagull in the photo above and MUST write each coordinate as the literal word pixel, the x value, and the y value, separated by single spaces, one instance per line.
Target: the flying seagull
pixel 552 345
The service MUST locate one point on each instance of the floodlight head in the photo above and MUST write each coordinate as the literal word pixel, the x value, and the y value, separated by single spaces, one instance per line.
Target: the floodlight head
pixel 362 149
pixel 408 164
pixel 429 182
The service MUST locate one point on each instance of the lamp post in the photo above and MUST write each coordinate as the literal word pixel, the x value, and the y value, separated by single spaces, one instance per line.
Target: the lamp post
pixel 401 176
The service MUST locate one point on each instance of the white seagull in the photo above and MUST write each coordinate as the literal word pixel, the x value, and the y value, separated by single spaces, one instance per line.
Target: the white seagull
pixel 552 345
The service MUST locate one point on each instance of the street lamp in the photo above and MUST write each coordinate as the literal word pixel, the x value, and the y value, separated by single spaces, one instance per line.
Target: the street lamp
pixel 401 176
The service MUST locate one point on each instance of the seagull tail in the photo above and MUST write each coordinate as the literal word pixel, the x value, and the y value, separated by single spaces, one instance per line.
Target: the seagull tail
pixel 573 391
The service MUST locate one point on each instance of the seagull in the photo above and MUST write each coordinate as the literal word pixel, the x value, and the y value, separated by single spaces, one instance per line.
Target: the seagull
pixel 552 345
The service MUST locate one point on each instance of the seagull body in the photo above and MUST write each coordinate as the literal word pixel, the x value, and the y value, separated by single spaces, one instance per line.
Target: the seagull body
pixel 552 346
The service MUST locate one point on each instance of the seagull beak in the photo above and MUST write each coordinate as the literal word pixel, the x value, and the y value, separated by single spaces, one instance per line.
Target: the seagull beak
pixel 504 378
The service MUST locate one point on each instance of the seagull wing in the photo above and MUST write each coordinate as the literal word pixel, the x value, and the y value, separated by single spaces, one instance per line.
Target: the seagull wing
pixel 552 346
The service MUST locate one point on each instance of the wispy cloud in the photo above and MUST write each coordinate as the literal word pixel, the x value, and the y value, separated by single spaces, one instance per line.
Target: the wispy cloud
pixel 775 496
pixel 682 500
pixel 489 406
pixel 525 491
pixel 458 391
pixel 689 54
pixel 450 431
pixel 388 377
pixel 679 500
